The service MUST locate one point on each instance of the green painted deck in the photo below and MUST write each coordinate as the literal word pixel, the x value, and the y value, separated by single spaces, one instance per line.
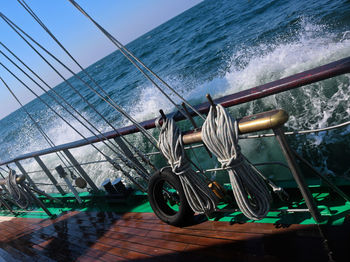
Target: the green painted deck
pixel 333 208
pixel 112 229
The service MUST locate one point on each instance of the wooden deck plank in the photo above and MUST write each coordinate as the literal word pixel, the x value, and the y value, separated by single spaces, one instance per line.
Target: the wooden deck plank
pixel 229 235
pixel 258 228
pixel 92 236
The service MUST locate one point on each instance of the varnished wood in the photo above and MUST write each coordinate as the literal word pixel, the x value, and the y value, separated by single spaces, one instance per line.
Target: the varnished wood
pixel 93 236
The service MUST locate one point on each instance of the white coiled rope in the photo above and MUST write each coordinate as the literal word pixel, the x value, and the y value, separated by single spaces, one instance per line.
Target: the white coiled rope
pixel 17 193
pixel 220 135
pixel 199 196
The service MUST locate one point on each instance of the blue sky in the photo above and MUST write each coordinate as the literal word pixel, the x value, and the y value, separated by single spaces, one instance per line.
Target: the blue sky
pixel 126 20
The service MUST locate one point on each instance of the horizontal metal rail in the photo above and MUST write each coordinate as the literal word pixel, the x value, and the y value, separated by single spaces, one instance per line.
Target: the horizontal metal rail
pixel 301 79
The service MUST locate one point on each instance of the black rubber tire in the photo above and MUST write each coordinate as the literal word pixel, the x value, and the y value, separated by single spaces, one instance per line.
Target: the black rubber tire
pixel 158 203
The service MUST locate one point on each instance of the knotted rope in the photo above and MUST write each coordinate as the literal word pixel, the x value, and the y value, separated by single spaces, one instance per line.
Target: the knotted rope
pixel 199 196
pixel 17 193
pixel 220 135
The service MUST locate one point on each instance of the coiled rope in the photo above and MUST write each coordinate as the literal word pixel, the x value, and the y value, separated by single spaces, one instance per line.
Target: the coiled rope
pixel 220 135
pixel 17 193
pixel 199 196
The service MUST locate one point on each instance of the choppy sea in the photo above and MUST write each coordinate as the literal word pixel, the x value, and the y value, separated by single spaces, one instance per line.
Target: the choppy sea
pixel 216 47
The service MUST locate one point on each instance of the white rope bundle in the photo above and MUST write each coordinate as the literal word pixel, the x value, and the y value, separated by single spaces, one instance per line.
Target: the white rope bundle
pixel 199 196
pixel 220 135
pixel 17 193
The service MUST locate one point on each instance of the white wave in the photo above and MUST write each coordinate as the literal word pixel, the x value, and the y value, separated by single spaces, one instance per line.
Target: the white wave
pixel 315 46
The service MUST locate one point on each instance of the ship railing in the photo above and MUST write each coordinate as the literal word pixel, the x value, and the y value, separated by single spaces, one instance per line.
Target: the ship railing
pixel 298 80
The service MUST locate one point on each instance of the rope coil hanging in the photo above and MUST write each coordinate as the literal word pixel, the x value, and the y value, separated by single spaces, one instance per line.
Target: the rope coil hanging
pixel 199 196
pixel 220 135
pixel 17 193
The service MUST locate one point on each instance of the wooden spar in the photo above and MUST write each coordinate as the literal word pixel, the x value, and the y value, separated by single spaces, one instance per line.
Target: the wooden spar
pixel 307 77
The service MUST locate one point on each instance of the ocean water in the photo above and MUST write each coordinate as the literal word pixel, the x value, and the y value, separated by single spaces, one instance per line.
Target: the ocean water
pixel 216 47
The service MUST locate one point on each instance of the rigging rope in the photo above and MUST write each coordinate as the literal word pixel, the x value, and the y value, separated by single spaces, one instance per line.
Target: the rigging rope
pixel 199 196
pixel 134 60
pixel 220 135
pixel 19 32
pixel 38 20
pixel 17 193
pixel 63 159
pixel 116 165
pixel 128 162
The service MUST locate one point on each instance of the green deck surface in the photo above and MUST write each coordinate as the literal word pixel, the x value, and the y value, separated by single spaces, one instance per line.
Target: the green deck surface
pixel 333 208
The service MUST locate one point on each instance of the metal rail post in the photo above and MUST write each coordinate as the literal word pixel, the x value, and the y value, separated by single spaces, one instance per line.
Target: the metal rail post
pixel 80 169
pixel 3 202
pixel 298 177
pixel 24 172
pixel 63 175
pixel 49 175
pixel 37 200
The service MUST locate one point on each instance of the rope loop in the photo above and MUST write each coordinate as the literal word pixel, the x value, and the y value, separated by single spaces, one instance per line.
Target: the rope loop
pixel 199 196
pixel 220 135
pixel 17 193
pixel 232 162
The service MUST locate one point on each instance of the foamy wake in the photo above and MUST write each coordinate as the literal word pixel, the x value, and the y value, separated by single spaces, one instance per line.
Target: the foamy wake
pixel 315 46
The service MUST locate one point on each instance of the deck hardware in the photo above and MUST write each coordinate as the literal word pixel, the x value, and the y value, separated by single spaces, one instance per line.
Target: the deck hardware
pixel 119 186
pixel 189 116
pixel 49 175
pixel 107 185
pixel 211 102
pixel 63 175
pixel 21 181
pixel 80 170
pixel 162 114
pixel 210 99
pixel 80 182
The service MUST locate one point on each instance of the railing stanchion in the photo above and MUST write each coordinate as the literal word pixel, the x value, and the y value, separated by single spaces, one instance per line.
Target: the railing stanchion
pixel 298 177
pixel 4 203
pixel 63 175
pixel 49 175
pixel 24 172
pixel 37 200
pixel 80 170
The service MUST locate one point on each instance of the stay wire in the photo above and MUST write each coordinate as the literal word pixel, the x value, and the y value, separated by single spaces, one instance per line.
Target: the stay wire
pixel 63 99
pixel 116 107
pixel 126 161
pixel 131 56
pixel 145 176
pixel 32 13
pixel 46 137
pixel 111 161
pixel 38 20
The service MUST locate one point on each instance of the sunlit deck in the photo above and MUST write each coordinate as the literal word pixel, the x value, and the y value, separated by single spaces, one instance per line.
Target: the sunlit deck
pixel 107 236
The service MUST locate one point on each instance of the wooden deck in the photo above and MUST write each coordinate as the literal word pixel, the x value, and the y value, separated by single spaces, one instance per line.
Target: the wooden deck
pixel 93 236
